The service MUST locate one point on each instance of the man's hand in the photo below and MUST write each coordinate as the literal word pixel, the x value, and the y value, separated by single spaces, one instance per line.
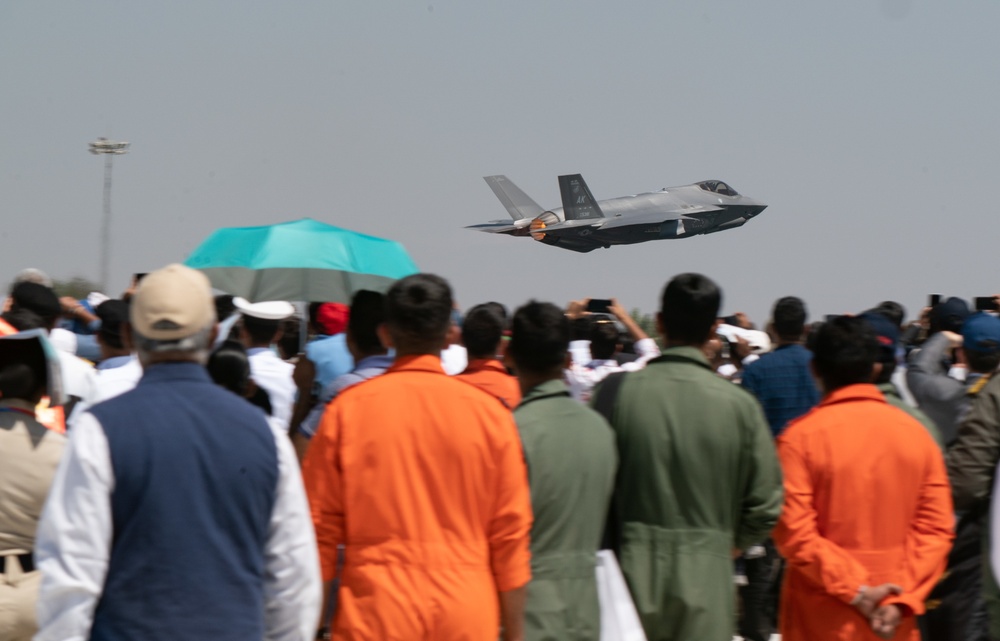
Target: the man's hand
pixel 741 348
pixel 953 338
pixel 617 310
pixel 869 598
pixel 885 620
pixel 577 308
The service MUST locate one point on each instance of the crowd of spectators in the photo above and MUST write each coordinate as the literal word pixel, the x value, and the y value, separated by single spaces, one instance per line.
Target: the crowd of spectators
pixel 178 464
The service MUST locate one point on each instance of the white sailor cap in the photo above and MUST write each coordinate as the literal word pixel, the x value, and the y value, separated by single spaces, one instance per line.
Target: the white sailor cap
pixel 266 310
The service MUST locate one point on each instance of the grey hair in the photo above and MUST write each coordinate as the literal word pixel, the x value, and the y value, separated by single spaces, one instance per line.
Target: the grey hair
pixel 32 275
pixel 194 347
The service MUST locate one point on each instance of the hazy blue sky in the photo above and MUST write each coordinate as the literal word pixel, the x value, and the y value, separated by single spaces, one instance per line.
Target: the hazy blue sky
pixel 869 127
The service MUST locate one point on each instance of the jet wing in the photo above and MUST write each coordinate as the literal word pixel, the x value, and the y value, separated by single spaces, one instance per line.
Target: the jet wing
pixel 654 217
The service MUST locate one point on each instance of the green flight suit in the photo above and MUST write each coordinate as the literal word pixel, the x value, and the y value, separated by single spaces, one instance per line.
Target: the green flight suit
pixel 570 452
pixel 698 477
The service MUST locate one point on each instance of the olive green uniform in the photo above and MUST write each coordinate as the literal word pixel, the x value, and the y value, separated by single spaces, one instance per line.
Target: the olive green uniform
pixel 698 478
pixel 571 458
pixel 972 463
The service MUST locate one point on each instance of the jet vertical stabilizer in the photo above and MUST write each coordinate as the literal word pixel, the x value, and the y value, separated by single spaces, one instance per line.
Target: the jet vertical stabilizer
pixel 578 202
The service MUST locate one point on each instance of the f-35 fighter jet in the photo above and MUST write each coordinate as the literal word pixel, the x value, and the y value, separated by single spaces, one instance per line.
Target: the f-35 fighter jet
pixel 584 224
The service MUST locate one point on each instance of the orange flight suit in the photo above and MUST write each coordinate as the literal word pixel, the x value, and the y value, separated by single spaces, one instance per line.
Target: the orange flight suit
pixel 6 329
pixel 421 477
pixel 867 502
pixel 489 375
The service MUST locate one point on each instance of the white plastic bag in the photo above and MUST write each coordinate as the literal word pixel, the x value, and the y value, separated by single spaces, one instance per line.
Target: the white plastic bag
pixel 619 619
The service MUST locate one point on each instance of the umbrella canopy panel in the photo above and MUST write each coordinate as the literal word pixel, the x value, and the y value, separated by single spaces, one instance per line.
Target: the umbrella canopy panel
pixel 302 260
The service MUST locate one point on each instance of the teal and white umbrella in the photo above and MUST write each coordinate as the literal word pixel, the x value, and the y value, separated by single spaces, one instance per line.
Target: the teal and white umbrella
pixel 304 260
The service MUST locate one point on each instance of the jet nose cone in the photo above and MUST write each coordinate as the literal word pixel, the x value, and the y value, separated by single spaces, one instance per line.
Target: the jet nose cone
pixel 753 207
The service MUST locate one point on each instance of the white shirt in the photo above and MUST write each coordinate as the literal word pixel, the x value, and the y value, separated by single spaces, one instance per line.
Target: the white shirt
pixel 582 378
pixel 454 359
pixel 275 377
pixel 78 377
pixel 73 544
pixel 112 381
pixel 63 340
pixel 109 383
pixel 580 351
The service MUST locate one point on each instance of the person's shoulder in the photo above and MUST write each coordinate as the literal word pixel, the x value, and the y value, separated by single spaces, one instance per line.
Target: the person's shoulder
pixel 802 425
pixel 469 391
pixel 990 387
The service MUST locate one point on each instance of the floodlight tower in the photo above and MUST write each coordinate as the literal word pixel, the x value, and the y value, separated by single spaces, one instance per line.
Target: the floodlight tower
pixel 110 149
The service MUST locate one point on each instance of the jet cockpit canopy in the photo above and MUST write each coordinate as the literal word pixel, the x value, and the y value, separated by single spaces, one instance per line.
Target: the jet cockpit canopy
pixel 718 187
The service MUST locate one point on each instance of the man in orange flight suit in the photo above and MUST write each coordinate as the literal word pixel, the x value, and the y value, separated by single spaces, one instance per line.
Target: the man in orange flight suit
pixel 421 477
pixel 867 521
pixel 482 331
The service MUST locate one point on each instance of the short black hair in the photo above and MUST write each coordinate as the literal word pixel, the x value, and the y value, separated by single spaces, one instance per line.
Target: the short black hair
pixel 845 350
pixel 579 328
pixel 113 314
pixel 982 362
pixel 893 311
pixel 418 313
pixel 23 319
pixel 604 339
pixel 23 370
pixel 224 306
pixel 482 331
pixel 291 337
pixel 789 317
pixel 261 330
pixel 689 307
pixel 229 367
pixel 539 338
pixel 37 298
pixel 499 309
pixel 367 313
pixel 313 313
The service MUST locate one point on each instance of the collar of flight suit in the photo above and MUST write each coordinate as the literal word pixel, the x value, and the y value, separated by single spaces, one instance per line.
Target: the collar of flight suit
pixel 858 392
pixel 549 389
pixel 417 363
pixel 683 353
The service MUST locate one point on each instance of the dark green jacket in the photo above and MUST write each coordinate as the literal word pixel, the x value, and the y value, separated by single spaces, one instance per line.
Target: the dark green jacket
pixel 570 451
pixel 698 477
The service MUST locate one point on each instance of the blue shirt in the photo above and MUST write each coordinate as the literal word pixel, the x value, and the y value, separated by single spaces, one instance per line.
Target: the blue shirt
pixel 368 367
pixel 783 384
pixel 331 357
pixel 113 362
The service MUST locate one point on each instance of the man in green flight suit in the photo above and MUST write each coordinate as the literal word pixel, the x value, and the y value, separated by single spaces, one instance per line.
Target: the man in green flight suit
pixel 570 452
pixel 698 478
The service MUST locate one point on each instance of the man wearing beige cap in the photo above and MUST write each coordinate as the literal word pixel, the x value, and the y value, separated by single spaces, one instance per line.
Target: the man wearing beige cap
pixel 177 512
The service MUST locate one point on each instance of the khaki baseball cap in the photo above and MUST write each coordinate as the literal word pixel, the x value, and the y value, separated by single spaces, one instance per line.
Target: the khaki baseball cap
pixel 172 303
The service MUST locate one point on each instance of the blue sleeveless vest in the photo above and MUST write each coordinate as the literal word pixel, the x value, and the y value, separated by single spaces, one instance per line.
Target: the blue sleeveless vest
pixel 195 474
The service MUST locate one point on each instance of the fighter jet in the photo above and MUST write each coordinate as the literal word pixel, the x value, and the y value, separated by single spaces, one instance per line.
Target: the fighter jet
pixel 583 224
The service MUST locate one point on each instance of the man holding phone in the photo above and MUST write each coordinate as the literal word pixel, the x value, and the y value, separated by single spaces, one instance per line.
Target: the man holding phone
pixel 604 344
